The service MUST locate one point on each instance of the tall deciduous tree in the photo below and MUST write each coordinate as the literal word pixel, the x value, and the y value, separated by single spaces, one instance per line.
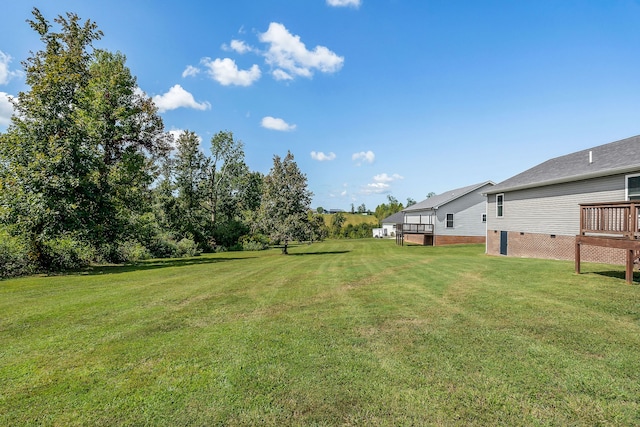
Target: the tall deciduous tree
pixel 225 170
pixel 49 187
pixel 79 155
pixel 128 135
pixel 285 202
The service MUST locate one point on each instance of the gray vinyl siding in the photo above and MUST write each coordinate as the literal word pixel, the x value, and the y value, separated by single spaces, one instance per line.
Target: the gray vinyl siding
pixel 467 213
pixel 552 209
pixel 467 216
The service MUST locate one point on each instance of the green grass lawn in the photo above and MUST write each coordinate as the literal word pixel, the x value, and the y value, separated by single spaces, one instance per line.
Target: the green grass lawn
pixel 338 333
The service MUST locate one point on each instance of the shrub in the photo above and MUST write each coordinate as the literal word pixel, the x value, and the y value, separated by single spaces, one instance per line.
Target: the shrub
pixel 131 251
pixel 228 234
pixel 162 245
pixel 254 242
pixel 187 248
pixel 14 256
pixel 66 253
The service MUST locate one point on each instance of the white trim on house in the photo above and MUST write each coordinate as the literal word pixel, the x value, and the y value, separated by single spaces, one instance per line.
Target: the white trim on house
pixel 626 185
pixel 447 221
pixel 500 206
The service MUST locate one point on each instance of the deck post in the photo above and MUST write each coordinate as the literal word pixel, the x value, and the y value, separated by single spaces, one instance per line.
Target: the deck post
pixel 577 256
pixel 629 272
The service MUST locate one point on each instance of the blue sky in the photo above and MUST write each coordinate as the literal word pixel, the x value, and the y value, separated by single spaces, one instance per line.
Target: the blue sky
pixel 373 97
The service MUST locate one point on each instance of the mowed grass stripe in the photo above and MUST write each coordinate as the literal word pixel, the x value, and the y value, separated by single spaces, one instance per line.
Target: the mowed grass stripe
pixel 337 333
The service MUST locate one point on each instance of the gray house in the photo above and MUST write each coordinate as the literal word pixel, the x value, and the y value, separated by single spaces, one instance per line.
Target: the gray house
pixel 537 213
pixel 456 216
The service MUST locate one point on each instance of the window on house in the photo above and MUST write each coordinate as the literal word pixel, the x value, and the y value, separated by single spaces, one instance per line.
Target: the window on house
pixel 500 205
pixel 633 187
pixel 449 220
pixel 484 218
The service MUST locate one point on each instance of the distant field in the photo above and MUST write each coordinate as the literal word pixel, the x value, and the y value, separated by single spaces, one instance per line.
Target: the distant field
pixel 348 332
pixel 353 219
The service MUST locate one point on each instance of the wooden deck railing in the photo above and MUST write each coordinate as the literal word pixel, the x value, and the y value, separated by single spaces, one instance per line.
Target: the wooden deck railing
pixel 417 228
pixel 610 225
pixel 610 219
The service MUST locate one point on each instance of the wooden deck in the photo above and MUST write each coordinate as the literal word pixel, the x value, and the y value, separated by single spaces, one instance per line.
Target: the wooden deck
pixel 410 228
pixel 610 225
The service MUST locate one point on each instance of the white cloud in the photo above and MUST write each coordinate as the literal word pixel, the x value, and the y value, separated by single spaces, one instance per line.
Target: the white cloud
pixel 177 97
pixel 363 156
pixel 376 188
pixel 342 3
pixel 226 72
pixel 6 109
pixel 237 46
pixel 5 73
pixel 190 71
pixel 381 184
pixel 290 57
pixel 383 177
pixel 321 157
pixel 279 74
pixel 276 124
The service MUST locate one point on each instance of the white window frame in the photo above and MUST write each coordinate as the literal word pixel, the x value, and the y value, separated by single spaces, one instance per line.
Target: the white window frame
pixel 483 218
pixel 446 220
pixel 626 184
pixel 499 205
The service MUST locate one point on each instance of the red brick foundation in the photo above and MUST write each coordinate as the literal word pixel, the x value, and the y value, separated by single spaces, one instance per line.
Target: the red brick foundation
pixel 549 246
pixel 419 239
pixel 458 240
pixel 429 240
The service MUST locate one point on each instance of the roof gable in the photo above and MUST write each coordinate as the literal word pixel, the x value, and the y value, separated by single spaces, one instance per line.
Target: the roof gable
pixel 608 159
pixel 396 218
pixel 448 196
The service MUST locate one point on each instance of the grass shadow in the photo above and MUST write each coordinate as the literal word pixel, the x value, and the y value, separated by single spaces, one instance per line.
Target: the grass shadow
pixel 320 253
pixel 154 264
pixel 618 274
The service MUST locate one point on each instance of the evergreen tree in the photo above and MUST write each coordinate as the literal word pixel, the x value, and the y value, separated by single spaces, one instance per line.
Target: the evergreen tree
pixel 188 215
pixel 285 202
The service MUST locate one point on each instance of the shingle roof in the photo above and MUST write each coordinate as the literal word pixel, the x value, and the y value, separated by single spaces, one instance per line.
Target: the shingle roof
pixel 608 159
pixel 396 218
pixel 446 197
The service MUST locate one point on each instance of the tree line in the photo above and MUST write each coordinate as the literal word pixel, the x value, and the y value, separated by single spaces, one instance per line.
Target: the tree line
pixel 88 172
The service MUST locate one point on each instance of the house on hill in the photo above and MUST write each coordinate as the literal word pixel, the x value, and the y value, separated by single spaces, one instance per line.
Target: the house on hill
pixel 538 212
pixel 456 216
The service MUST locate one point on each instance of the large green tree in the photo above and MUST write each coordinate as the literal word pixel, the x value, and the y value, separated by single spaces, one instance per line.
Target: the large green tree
pixel 385 210
pixel 225 170
pixel 48 182
pixel 285 202
pixel 128 135
pixel 80 153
